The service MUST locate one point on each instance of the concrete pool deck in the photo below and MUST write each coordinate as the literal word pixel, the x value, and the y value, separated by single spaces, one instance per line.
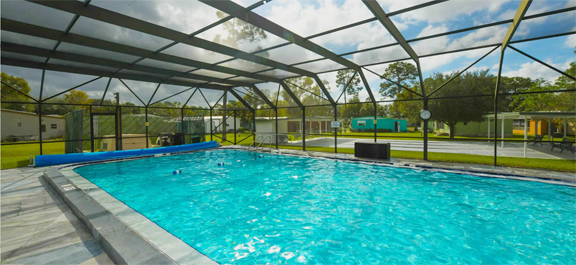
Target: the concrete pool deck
pixel 39 228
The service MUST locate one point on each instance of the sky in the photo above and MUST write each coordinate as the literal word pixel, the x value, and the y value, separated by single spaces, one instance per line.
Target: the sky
pixel 306 18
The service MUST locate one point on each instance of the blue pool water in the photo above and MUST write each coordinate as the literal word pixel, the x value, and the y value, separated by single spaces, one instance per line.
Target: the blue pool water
pixel 284 209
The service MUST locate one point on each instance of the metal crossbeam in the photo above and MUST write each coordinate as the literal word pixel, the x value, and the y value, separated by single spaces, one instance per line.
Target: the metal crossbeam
pixel 264 97
pixel 85 71
pixel 520 12
pixel 47 33
pixel 233 92
pixel 459 73
pixel 72 88
pixel 17 48
pixel 541 62
pixel 292 95
pixel 125 21
pixel 396 34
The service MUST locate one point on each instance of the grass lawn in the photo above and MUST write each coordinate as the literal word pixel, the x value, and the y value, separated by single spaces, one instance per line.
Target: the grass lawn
pixel 521 162
pixel 432 137
pixel 19 155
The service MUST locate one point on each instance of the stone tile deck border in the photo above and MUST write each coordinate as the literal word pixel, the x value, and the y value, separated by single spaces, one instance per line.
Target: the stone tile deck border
pixel 129 237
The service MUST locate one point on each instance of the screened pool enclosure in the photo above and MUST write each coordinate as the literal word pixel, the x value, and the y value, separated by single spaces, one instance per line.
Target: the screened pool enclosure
pixel 127 72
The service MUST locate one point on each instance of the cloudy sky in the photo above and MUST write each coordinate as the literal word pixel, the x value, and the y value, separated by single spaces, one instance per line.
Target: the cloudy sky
pixel 306 18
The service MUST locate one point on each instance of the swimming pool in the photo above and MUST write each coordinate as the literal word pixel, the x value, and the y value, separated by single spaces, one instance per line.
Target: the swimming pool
pixel 290 209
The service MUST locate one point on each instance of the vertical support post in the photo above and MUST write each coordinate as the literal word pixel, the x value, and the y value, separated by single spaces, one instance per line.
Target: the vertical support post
pixel 224 120
pixel 91 131
pixel 234 117
pixel 211 125
pixel 375 122
pixel 146 117
pixel 303 128
pixel 549 129
pixel 254 125
pixel 335 130
pixel 40 124
pixel 425 132
pixel 488 128
pixel 40 111
pixel 496 105
pixel 182 124
pixel 120 127
pixel 503 131
pixel 565 125
pixel 276 129
pixel 525 135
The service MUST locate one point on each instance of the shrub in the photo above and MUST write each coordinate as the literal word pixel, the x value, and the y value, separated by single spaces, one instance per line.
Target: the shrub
pixel 369 130
pixel 384 130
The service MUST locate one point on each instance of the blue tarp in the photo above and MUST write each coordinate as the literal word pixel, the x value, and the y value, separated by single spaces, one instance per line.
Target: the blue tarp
pixel 51 160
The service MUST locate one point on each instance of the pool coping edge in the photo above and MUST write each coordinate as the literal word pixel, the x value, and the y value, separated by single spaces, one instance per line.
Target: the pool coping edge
pixel 124 242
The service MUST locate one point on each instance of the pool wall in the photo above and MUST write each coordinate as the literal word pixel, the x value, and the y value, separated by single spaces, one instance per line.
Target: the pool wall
pixel 52 160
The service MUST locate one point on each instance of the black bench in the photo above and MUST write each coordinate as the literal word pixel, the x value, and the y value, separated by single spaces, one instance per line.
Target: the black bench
pixel 538 139
pixel 565 144
pixel 372 150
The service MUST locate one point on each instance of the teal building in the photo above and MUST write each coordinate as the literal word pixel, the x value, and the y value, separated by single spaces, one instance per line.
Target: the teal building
pixel 367 123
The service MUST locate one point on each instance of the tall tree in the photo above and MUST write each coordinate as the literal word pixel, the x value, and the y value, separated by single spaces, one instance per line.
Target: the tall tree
pixel 405 74
pixel 343 78
pixel 9 94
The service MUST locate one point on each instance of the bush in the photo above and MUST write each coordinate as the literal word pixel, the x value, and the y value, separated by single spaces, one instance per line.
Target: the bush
pixel 369 130
pixel 352 130
pixel 11 138
pixel 384 130
pixel 359 130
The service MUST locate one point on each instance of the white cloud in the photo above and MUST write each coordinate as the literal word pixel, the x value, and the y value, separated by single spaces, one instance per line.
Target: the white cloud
pixel 571 40
pixel 451 10
pixel 536 70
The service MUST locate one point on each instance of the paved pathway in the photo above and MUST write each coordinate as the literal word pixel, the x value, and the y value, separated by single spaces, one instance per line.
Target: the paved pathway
pixel 38 228
pixel 462 147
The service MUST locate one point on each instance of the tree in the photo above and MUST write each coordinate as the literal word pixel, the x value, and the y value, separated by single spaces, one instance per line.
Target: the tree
pixel 408 106
pixel 466 109
pixel 402 73
pixel 343 78
pixel 566 100
pixel 536 101
pixel 309 94
pixel 511 85
pixel 9 94
pixel 77 97
pixel 239 31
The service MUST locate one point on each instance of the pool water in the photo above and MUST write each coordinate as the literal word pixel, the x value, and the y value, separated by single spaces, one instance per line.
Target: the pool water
pixel 285 209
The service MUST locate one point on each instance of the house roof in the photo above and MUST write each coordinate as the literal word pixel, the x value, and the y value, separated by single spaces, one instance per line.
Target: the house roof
pixel 31 113
pixel 532 115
